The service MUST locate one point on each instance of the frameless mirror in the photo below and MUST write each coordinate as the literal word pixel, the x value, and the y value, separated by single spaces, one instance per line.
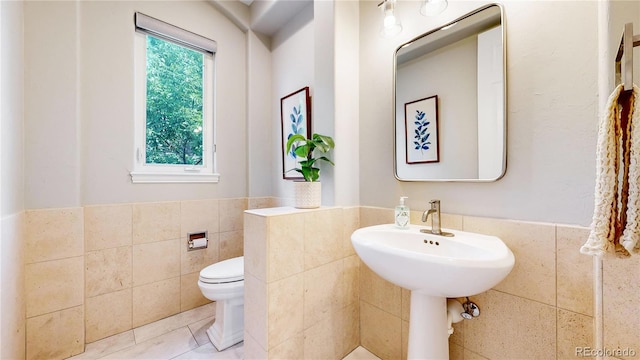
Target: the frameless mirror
pixel 449 95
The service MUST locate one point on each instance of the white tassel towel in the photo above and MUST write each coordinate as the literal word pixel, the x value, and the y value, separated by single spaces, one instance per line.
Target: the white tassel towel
pixel 612 228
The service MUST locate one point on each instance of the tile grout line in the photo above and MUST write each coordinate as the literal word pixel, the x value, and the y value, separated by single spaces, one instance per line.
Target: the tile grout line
pixel 193 337
pixel 133 225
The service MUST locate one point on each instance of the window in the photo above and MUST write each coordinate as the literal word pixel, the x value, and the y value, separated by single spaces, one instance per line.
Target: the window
pixel 174 130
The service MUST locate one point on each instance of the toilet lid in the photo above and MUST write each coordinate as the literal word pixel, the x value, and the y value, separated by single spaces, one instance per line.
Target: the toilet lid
pixel 224 271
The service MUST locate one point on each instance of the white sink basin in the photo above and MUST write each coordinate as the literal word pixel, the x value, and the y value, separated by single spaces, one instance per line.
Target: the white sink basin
pixel 434 268
pixel 463 265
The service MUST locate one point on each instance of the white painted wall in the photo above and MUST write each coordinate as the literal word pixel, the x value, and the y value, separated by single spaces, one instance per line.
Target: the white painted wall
pixel 12 299
pixel 319 48
pixel 12 109
pixel 52 126
pixel 292 68
pixel 347 100
pixel 324 106
pixel 552 114
pixel 491 94
pixel 259 129
pixel 1 142
pixel 79 112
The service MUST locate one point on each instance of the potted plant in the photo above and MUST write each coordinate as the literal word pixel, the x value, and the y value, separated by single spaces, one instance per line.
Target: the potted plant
pixel 308 192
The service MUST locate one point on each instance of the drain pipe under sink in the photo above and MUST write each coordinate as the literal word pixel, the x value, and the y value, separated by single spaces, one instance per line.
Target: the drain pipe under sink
pixel 454 309
pixel 457 312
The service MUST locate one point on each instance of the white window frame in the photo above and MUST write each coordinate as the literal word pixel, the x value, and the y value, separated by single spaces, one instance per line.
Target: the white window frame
pixel 173 173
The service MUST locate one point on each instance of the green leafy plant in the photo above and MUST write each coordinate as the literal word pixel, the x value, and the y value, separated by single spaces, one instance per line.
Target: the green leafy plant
pixel 305 148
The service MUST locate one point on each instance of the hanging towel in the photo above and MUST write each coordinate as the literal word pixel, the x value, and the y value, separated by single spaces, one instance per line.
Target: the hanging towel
pixel 631 235
pixel 616 216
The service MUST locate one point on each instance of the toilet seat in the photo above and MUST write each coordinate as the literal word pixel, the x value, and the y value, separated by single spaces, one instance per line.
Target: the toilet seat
pixel 227 271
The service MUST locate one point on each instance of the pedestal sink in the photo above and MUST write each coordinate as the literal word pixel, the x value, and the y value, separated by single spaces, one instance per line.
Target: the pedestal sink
pixel 434 268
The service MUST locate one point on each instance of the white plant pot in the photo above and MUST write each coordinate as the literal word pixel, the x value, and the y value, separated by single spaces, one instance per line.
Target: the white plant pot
pixel 308 194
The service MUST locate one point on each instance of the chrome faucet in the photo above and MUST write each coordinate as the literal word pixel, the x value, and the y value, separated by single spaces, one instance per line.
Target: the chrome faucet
pixel 435 217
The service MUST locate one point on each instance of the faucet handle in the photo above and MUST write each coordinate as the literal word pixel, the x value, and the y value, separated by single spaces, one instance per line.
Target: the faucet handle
pixel 434 203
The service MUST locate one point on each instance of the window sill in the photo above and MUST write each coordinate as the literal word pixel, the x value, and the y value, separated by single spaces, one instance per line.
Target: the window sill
pixel 175 178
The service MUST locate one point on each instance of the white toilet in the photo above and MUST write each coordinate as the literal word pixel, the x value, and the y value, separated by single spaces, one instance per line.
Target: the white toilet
pixel 223 282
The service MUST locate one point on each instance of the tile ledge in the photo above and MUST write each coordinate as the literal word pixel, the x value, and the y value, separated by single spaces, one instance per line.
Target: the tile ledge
pixel 286 210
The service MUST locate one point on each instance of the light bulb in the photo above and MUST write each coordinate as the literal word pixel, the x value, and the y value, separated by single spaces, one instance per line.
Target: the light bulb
pixel 390 24
pixel 433 7
pixel 389 19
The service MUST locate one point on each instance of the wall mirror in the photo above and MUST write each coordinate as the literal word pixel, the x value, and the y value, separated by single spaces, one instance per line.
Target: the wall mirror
pixel 450 105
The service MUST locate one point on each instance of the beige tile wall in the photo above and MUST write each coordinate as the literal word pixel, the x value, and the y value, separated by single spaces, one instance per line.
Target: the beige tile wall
pixel 81 261
pixel 542 310
pixel 621 310
pixel 54 283
pixel 301 284
pixel 12 289
pixel 102 270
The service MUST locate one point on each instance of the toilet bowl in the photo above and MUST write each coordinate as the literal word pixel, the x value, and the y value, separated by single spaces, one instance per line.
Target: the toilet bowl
pixel 223 282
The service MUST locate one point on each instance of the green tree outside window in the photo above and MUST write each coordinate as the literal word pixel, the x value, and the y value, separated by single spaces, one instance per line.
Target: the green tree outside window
pixel 174 104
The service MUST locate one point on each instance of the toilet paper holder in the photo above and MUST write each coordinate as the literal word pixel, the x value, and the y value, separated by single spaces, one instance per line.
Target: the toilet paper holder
pixel 197 241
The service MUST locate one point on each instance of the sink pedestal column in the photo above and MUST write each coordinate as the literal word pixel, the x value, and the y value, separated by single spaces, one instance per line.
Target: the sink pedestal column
pixel 428 335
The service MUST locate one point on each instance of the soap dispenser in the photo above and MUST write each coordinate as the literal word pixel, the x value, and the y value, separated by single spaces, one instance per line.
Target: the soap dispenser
pixel 402 214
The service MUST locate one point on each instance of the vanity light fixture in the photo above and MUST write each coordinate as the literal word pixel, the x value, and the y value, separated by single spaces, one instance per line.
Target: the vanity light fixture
pixel 390 25
pixel 433 7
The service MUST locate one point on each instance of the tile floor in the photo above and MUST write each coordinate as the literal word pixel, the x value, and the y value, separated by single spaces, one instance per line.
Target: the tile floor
pixel 182 336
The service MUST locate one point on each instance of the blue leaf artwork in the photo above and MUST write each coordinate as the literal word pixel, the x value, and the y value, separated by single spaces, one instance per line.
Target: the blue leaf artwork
pixel 421 136
pixel 295 117
pixel 297 126
pixel 422 142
